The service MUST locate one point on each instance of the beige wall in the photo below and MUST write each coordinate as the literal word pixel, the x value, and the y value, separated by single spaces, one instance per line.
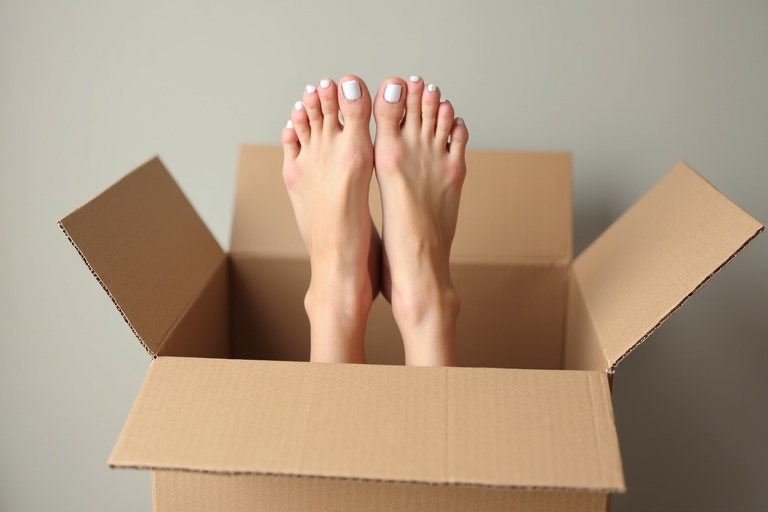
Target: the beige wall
pixel 89 89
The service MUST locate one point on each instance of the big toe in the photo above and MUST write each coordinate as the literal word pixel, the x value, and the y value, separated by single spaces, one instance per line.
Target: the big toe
pixel 354 103
pixel 389 106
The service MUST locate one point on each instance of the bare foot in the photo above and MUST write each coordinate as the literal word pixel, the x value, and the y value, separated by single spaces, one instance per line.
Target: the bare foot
pixel 327 169
pixel 419 159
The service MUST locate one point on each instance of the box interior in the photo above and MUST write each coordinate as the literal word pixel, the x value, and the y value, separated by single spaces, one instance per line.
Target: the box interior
pixel 525 303
pixel 510 262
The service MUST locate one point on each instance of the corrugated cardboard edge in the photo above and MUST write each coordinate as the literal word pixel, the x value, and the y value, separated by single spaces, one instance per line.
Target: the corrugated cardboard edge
pixel 625 228
pixel 542 488
pixel 672 311
pixel 149 174
pixel 120 309
pixel 104 287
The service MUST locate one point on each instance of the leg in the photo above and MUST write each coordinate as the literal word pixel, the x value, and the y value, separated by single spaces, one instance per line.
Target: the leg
pixel 327 170
pixel 419 159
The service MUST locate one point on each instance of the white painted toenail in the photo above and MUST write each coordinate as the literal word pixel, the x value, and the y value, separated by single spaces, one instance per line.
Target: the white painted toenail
pixel 415 78
pixel 392 93
pixel 443 100
pixel 351 90
pixel 311 89
pixel 289 125
pixel 298 105
pixel 324 84
pixel 459 120
pixel 431 87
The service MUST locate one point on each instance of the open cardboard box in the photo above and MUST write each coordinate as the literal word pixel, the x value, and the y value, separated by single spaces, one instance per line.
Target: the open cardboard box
pixel 229 418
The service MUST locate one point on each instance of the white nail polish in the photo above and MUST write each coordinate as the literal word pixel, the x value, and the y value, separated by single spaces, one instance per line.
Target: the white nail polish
pixel 459 120
pixel 324 84
pixel 311 89
pixel 415 78
pixel 298 105
pixel 443 100
pixel 351 90
pixel 289 125
pixel 431 87
pixel 392 93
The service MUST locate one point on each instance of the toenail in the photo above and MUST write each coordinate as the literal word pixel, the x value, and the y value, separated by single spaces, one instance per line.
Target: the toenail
pixel 351 90
pixel 431 87
pixel 443 100
pixel 289 125
pixel 415 78
pixel 324 84
pixel 459 120
pixel 392 93
pixel 299 105
pixel 311 89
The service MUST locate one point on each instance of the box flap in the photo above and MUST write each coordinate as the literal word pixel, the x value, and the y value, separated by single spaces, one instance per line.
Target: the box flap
pixel 507 428
pixel 514 207
pixel 148 248
pixel 659 253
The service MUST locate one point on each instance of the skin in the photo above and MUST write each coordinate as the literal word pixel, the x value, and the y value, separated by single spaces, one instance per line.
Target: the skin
pixel 327 170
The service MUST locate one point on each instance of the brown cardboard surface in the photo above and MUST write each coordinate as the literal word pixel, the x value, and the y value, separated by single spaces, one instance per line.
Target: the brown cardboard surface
pixel 507 428
pixel 268 316
pixel 263 222
pixel 583 349
pixel 515 207
pixel 148 248
pixel 512 316
pixel 199 492
pixel 656 256
pixel 203 330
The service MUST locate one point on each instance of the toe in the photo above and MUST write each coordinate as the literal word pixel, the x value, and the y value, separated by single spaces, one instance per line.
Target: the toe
pixel 430 101
pixel 413 103
pixel 354 103
pixel 389 107
pixel 444 123
pixel 459 139
pixel 300 122
pixel 290 142
pixel 329 104
pixel 312 105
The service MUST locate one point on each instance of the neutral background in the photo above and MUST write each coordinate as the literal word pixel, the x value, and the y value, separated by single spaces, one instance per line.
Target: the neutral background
pixel 91 89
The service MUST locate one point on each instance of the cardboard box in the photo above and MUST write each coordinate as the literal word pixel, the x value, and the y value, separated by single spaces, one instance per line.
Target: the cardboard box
pixel 227 419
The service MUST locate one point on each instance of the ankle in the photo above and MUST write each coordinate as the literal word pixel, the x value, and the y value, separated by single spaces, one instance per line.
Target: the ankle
pixel 427 323
pixel 424 307
pixel 349 300
pixel 338 315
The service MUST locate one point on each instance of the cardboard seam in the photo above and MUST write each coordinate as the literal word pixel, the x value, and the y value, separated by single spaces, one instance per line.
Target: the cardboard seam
pixel 672 311
pixel 307 418
pixel 595 437
pixel 605 405
pixel 446 426
pixel 168 332
pixel 109 294
pixel 592 320
pixel 543 488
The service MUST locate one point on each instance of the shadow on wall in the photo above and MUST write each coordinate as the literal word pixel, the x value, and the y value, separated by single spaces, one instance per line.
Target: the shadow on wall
pixel 681 396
